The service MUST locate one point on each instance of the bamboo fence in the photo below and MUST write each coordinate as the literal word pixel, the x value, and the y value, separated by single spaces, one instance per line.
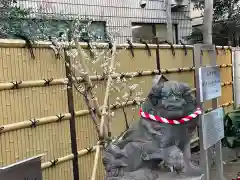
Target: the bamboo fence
pixel 38 115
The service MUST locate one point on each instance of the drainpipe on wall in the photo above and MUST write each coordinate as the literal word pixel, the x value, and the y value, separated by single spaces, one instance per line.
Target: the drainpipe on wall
pixel 169 21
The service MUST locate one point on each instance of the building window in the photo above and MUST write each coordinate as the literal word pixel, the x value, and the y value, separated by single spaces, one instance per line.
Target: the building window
pixel 97 29
pixel 143 31
pixel 42 29
pixel 147 32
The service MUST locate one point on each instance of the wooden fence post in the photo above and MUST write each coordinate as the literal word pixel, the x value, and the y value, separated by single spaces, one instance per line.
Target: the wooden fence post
pixel 72 119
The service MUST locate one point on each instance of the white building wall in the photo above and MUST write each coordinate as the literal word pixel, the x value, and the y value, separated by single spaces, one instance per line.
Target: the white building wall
pixel 118 14
pixel 196 15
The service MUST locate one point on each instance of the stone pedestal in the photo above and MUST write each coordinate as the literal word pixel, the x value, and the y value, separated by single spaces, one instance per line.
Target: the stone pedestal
pixel 174 176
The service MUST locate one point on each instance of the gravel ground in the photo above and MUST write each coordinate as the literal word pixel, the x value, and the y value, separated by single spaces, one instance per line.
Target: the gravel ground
pixel 231 169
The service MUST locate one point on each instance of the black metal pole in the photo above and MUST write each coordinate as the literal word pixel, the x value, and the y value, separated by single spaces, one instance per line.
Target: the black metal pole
pixel 158 56
pixel 72 119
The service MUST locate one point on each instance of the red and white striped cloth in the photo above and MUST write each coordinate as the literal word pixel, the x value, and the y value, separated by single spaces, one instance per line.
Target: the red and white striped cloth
pixel 169 121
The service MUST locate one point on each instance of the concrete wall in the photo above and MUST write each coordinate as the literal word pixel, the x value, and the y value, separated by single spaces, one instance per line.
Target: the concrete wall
pixel 118 14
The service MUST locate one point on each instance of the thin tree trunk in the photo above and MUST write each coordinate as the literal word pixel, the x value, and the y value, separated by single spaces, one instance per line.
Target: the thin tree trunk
pixel 207 22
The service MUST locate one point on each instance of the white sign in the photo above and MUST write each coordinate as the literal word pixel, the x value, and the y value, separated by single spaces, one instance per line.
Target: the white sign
pixel 210 83
pixel 213 127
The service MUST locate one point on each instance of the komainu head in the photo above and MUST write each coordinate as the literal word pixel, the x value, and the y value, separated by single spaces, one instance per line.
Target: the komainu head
pixel 169 99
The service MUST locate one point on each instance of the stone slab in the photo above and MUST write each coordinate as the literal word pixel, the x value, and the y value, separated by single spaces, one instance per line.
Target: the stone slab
pixel 174 176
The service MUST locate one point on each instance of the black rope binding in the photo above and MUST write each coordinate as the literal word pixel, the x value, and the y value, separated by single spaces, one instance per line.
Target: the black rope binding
pixel 229 48
pixel 122 75
pixel 89 46
pixel 114 106
pixel 48 81
pixel 184 47
pixel 60 117
pixel 55 49
pixel 34 123
pixel 153 73
pixel 1 128
pixel 216 49
pixel 134 102
pixel 16 84
pixel 53 162
pixel 130 47
pixel 102 77
pixel 110 46
pixel 140 73
pixel 94 110
pixel 167 71
pixel 146 47
pixel 223 49
pixel 50 39
pixel 172 48
pixel 89 150
pixel 180 69
pixel 28 44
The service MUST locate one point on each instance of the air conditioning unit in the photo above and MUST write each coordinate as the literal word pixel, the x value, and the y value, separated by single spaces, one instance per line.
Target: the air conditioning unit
pixel 179 3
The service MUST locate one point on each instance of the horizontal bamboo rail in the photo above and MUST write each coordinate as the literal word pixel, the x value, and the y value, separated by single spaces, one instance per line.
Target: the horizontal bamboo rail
pixel 86 151
pixel 222 105
pixel 55 162
pixel 51 119
pixel 46 44
pixel 29 84
pixel 69 157
pixel 51 81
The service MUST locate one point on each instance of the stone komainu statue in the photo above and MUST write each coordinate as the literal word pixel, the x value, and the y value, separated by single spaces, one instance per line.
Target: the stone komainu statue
pixel 149 145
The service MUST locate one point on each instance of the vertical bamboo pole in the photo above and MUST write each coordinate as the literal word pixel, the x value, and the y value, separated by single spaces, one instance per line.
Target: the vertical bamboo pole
pixel 72 119
pixel 104 112
pixel 109 81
